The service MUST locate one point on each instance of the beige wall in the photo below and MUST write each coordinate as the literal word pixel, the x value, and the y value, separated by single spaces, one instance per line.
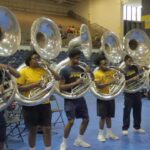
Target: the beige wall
pixel 82 9
pixel 26 20
pixel 36 6
pixel 107 13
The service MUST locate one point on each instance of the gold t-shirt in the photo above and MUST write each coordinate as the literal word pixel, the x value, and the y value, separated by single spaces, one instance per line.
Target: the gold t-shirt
pixel 104 77
pixel 29 76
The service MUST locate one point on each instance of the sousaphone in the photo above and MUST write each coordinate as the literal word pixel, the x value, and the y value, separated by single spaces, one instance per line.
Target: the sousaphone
pixel 10 38
pixel 113 51
pixel 85 43
pixel 46 40
pixel 136 44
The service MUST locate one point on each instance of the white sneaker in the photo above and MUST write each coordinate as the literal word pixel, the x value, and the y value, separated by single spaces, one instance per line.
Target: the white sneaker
pixel 81 143
pixel 112 136
pixel 101 138
pixel 142 131
pixel 125 132
pixel 63 146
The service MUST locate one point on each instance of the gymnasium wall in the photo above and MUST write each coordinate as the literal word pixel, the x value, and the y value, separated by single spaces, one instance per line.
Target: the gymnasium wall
pixel 27 11
pixel 146 15
pixel 106 13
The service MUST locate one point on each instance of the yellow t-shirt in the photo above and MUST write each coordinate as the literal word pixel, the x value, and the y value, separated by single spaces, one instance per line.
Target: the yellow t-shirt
pixel 29 76
pixel 104 77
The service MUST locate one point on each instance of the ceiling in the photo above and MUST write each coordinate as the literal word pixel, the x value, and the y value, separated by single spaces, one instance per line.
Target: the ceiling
pixel 133 2
pixel 70 2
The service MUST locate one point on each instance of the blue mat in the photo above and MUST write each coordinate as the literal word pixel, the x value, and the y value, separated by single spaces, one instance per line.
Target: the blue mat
pixel 133 141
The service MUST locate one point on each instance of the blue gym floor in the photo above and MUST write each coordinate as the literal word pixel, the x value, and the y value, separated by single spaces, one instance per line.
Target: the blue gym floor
pixel 133 141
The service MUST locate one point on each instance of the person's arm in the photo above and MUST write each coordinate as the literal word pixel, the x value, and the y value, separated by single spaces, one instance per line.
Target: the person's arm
pixel 88 69
pixel 1 89
pixel 25 88
pixel 22 86
pixel 11 70
pixel 138 70
pixel 65 75
pixel 100 85
pixel 68 86
pixel 133 79
pixel 55 74
pixel 14 72
pixel 98 81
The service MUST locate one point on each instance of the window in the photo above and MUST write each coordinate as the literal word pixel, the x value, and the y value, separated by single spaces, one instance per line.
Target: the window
pixel 132 13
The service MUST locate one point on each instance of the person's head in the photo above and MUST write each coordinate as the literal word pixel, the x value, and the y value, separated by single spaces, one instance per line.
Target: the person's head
pixel 128 60
pixel 32 59
pixel 74 55
pixel 101 62
pixel 41 39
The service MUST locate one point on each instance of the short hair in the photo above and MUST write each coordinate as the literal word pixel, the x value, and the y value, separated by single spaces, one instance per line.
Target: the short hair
pixel 74 52
pixel 28 59
pixel 101 56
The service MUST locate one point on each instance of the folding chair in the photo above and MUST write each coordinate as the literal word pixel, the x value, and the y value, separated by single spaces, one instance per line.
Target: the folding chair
pixel 13 122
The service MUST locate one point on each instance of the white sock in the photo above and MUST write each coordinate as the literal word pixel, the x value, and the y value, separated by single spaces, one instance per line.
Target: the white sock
pixel 32 148
pixel 109 131
pixel 101 132
pixel 48 148
pixel 80 137
pixel 65 140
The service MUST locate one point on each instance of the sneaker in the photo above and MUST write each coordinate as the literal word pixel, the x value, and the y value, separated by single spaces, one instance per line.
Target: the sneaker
pixel 81 143
pixel 142 131
pixel 63 146
pixel 125 132
pixel 101 138
pixel 112 136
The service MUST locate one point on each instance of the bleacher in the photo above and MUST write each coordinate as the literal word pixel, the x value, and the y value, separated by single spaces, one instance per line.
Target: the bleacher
pixel 19 57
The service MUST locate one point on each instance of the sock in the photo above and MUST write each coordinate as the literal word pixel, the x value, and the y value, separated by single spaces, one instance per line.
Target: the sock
pixel 32 148
pixel 109 131
pixel 80 137
pixel 48 148
pixel 65 140
pixel 101 131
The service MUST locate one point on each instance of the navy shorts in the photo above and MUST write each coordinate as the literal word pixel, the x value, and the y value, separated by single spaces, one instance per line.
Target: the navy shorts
pixel 76 108
pixel 37 115
pixel 2 128
pixel 105 108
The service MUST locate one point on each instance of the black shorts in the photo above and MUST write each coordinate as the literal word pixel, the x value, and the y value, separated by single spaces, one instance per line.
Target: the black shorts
pixel 105 108
pixel 133 96
pixel 37 115
pixel 2 128
pixel 76 108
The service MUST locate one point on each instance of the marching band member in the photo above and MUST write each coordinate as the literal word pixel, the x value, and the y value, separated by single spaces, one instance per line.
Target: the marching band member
pixel 2 119
pixel 39 115
pixel 76 108
pixel 132 100
pixel 105 109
